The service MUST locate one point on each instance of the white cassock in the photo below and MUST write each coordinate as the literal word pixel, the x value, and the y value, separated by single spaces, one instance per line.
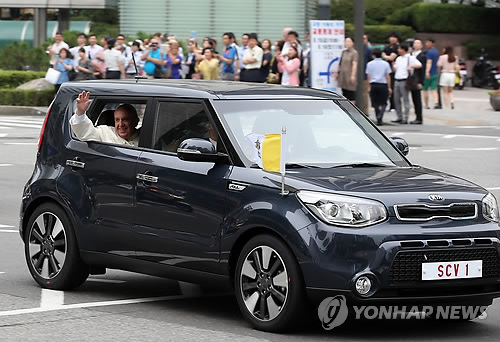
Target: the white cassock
pixel 86 131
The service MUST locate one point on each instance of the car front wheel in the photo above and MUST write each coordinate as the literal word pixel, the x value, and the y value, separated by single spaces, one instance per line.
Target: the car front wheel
pixel 51 250
pixel 268 284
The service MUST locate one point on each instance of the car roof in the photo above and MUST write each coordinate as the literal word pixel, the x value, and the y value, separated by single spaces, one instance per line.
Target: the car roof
pixel 197 89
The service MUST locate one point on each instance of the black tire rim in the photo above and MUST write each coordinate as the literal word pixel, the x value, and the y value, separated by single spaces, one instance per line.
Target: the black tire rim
pixel 47 245
pixel 264 283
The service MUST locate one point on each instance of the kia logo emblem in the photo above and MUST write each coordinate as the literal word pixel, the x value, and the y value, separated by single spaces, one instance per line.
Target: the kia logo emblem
pixel 436 197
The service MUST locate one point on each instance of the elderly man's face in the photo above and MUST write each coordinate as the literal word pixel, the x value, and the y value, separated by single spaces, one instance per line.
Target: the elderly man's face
pixel 125 123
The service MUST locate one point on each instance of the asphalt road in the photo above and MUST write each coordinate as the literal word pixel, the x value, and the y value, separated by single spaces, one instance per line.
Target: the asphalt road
pixel 125 306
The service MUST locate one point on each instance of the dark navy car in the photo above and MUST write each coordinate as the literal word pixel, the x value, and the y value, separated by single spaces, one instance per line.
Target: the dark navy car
pixel 359 219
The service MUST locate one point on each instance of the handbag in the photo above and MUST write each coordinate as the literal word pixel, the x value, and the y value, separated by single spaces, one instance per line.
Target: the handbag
pixel 52 75
pixel 412 80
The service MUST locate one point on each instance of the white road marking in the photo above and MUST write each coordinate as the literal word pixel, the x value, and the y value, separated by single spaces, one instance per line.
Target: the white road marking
pixel 8 124
pixel 51 299
pixel 476 148
pixel 2 272
pixel 440 134
pixel 1 127
pixel 398 133
pixel 9 231
pixel 469 99
pixel 5 225
pixel 496 188
pixel 443 150
pixel 90 305
pixel 111 281
pixel 20 143
pixel 5 165
pixel 450 136
pixel 472 127
pixel 32 121
pixel 3 135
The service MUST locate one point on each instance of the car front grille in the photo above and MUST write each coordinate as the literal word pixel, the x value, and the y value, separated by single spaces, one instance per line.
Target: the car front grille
pixel 426 212
pixel 407 265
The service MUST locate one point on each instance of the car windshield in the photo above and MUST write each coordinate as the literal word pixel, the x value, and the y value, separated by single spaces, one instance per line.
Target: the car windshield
pixel 319 132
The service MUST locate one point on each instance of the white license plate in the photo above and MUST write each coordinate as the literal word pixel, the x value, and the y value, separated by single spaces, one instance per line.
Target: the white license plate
pixel 497 76
pixel 452 270
pixel 463 72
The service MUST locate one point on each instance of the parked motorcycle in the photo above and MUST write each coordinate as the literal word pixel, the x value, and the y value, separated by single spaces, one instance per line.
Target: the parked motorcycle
pixel 485 74
pixel 462 77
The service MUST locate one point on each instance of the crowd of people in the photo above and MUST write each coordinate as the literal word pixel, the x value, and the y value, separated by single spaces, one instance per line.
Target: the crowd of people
pixel 392 74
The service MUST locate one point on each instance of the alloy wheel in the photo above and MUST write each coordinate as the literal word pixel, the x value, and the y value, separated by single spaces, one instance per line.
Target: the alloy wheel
pixel 47 245
pixel 264 283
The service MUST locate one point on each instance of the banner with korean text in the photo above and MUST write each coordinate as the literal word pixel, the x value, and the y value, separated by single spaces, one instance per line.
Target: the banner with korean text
pixel 327 43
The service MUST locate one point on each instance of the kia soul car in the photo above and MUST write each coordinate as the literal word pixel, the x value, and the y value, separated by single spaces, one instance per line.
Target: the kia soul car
pixel 191 203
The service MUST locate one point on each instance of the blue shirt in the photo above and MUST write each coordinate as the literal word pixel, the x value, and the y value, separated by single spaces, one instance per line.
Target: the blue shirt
pixel 64 72
pixel 433 54
pixel 176 73
pixel 378 69
pixel 229 53
pixel 149 67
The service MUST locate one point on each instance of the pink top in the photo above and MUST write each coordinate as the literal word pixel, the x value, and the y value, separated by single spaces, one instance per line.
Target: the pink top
pixel 289 68
pixel 445 65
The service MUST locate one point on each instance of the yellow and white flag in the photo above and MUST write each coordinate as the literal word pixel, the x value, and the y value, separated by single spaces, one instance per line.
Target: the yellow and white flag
pixel 269 151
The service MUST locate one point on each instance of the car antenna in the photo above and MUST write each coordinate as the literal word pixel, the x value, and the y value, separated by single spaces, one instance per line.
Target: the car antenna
pixel 137 76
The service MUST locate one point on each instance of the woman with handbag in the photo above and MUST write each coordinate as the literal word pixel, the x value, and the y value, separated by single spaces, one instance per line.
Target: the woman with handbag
pixel 447 64
pixel 64 65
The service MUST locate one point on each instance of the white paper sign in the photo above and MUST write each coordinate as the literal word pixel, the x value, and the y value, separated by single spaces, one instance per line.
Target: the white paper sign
pixel 327 43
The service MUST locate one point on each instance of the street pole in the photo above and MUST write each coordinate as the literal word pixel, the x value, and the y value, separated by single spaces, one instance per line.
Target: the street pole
pixel 40 27
pixel 324 8
pixel 359 31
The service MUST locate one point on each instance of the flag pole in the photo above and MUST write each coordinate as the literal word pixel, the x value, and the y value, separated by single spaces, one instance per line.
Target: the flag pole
pixel 283 161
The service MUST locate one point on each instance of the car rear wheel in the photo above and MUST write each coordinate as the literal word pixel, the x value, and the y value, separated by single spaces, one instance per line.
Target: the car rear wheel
pixel 268 284
pixel 51 250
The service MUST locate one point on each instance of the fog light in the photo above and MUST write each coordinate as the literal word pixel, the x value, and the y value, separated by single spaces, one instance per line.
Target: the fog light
pixel 363 285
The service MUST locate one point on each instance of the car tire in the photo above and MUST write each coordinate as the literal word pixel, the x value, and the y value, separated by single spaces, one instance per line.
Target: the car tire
pixel 51 249
pixel 269 285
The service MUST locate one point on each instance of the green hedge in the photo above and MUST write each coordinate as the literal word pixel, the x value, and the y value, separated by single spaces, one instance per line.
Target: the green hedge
pixel 491 47
pixel 381 33
pixel 376 11
pixel 18 97
pixel 12 79
pixel 19 56
pixel 444 18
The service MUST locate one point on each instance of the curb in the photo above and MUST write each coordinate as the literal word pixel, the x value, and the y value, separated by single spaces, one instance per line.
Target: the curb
pixel 23 110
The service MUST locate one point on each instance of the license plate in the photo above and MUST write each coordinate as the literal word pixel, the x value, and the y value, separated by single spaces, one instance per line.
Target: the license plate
pixel 497 76
pixel 452 270
pixel 463 72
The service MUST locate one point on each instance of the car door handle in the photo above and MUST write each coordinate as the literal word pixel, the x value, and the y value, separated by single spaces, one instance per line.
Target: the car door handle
pixel 147 178
pixel 75 163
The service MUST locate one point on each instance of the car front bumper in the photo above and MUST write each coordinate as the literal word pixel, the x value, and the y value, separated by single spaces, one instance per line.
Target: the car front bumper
pixel 391 256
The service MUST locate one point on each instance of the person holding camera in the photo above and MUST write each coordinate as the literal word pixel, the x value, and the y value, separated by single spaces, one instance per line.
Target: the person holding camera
pixel 154 66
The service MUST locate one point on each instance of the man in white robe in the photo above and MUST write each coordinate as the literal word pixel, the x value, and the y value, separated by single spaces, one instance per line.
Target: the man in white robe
pixel 124 132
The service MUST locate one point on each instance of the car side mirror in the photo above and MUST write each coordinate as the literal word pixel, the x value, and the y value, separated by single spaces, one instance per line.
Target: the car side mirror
pixel 401 145
pixel 197 150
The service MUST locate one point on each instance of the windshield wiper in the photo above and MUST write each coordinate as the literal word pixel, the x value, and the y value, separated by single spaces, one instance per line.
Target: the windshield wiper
pixel 361 165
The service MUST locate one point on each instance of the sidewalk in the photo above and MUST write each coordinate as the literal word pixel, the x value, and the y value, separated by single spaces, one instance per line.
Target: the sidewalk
pixel 472 108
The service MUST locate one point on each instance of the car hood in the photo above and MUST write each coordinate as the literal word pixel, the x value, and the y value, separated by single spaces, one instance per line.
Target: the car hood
pixel 390 185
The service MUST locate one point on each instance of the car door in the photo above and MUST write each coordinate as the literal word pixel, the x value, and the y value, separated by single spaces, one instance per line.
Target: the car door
pixel 99 182
pixel 180 205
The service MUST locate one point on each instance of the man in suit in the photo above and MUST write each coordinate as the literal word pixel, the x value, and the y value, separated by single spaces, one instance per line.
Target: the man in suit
pixel 416 95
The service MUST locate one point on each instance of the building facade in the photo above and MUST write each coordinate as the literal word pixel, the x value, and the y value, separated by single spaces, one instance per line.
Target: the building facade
pixel 211 18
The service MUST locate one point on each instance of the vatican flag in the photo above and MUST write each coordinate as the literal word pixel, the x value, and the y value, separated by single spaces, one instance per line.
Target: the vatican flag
pixel 269 151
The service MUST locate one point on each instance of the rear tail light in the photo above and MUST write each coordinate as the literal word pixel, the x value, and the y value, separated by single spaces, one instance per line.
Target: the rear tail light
pixel 43 127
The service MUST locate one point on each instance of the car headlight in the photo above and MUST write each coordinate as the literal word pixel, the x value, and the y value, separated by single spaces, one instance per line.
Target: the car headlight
pixel 347 211
pixel 490 208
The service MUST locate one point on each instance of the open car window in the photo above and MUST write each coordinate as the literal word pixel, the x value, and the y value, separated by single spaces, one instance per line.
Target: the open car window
pixel 178 121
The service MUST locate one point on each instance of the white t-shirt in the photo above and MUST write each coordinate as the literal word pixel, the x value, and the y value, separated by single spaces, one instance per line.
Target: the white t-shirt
pixel 401 66
pixel 256 53
pixel 112 58
pixel 94 51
